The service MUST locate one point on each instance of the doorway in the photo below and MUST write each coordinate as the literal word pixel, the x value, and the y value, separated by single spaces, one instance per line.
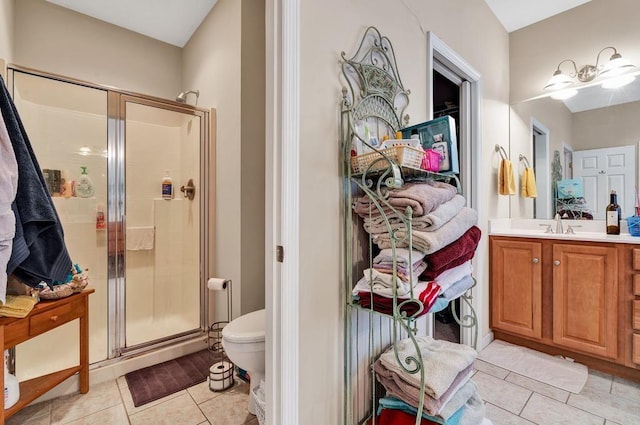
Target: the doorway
pixel 446 62
pixel 542 204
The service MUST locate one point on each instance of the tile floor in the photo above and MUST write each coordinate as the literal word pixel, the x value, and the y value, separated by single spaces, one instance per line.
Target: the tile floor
pixel 110 403
pixel 511 399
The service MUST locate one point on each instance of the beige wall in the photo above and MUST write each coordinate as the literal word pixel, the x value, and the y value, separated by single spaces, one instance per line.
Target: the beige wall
pixel 327 28
pixel 212 64
pixel 577 34
pixel 607 127
pixel 558 120
pixel 6 34
pixel 58 40
pixel 252 130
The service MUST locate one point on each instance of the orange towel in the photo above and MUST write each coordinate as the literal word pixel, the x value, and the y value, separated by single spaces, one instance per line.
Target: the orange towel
pixel 506 181
pixel 528 189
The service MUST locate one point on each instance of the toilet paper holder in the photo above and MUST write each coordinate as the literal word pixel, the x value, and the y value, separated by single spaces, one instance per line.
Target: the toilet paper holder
pixel 214 334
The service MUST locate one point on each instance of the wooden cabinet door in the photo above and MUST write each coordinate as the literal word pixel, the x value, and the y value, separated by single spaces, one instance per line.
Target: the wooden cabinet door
pixel 585 296
pixel 516 287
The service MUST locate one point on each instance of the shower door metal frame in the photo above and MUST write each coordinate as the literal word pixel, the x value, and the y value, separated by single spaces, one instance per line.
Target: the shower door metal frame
pixel 119 222
pixel 115 209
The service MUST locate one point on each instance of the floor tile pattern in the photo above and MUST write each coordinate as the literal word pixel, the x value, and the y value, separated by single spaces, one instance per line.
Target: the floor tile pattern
pixel 511 399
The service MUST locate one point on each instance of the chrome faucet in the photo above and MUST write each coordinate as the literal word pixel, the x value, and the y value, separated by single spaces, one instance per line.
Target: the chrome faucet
pixel 558 221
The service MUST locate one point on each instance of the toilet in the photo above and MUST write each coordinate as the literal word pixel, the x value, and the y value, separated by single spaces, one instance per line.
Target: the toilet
pixel 243 341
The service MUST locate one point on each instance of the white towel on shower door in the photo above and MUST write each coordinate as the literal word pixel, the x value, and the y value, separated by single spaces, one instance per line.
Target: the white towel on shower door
pixel 140 238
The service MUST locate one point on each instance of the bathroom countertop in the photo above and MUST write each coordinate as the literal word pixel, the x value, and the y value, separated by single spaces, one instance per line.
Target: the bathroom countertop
pixel 585 230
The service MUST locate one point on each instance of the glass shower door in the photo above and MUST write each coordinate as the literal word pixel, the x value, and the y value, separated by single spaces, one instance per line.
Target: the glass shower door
pixel 67 127
pixel 163 229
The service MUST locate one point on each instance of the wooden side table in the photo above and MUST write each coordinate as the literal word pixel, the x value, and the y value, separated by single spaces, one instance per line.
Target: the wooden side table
pixel 47 315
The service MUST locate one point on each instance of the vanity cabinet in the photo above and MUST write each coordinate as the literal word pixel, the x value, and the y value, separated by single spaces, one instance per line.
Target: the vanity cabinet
pixel 579 299
pixel 585 302
pixel 516 287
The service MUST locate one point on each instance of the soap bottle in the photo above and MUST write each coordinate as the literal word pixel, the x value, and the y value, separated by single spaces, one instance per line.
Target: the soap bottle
pixel 101 223
pixel 167 186
pixel 11 385
pixel 614 213
pixel 84 185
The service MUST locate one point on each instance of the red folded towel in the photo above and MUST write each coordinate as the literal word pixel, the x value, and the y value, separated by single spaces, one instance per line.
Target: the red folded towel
pixel 452 255
pixel 385 305
pixel 398 417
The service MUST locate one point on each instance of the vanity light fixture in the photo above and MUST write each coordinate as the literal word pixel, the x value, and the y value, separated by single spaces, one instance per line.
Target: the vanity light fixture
pixel 615 67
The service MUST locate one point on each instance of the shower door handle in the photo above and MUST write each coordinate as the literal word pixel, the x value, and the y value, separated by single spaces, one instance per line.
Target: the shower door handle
pixel 189 190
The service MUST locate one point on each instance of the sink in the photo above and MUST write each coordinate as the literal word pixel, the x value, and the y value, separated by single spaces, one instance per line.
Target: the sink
pixel 586 230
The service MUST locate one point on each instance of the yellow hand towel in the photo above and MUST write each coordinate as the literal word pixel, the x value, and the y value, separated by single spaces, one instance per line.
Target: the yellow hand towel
pixel 506 181
pixel 17 306
pixel 528 189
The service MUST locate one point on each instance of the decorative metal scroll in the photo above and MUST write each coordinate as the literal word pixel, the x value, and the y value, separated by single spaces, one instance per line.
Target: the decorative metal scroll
pixel 375 87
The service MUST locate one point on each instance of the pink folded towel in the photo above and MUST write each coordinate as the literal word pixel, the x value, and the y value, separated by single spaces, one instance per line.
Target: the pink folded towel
pixel 422 197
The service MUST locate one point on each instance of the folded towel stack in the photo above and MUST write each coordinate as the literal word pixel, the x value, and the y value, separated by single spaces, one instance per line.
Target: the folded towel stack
pixel 443 235
pixel 450 397
pixel 18 306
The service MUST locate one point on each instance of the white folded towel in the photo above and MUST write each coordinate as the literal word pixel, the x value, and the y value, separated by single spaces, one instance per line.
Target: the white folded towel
pixel 442 362
pixel 449 277
pixel 363 286
pixel 382 283
pixel 140 238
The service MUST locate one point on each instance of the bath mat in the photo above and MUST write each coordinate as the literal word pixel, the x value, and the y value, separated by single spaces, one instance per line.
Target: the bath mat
pixel 542 367
pixel 157 381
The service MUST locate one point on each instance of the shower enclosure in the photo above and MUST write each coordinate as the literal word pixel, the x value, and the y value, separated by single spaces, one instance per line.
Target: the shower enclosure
pixel 104 154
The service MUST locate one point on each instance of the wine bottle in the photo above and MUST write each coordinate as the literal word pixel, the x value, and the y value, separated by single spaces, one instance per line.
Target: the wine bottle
pixel 614 212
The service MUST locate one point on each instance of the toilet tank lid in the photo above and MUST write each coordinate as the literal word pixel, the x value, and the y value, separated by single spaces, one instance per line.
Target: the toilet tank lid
pixel 246 328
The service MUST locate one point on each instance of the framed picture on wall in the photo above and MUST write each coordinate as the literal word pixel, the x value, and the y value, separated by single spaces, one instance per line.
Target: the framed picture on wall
pixel 440 135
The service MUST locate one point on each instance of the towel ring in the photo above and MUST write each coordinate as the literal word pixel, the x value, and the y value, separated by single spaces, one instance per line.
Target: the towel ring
pixel 525 160
pixel 502 152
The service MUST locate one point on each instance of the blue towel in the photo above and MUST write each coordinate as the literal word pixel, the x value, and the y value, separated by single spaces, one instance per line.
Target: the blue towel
pixel 39 252
pixel 394 403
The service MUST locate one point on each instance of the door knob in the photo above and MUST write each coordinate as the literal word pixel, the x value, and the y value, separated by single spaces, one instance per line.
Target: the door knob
pixel 556 263
pixel 189 190
pixel 536 260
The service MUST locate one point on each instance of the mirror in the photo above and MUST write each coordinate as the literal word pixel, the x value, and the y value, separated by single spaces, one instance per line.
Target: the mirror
pixel 593 135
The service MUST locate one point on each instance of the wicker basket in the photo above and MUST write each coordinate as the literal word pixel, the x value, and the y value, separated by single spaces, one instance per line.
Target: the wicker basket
pixel 404 156
pixel 634 225
pixel 260 406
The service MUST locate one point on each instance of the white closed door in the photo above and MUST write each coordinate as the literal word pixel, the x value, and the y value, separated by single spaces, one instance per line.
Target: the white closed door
pixel 604 170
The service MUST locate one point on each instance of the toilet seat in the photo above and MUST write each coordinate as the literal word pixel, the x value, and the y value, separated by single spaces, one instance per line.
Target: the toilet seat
pixel 245 329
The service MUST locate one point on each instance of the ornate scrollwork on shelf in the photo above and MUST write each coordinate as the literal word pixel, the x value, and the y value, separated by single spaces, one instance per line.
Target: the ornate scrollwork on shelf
pixel 375 86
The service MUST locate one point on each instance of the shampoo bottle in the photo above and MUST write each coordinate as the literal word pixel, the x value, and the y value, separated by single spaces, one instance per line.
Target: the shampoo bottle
pixel 84 185
pixel 167 186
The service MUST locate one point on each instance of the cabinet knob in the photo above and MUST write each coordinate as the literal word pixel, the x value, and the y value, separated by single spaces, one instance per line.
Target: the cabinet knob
pixel 556 263
pixel 54 318
pixel 536 260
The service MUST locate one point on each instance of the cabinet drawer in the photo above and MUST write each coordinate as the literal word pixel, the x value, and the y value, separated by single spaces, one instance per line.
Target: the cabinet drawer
pixel 16 332
pixel 635 320
pixel 636 349
pixel 50 319
pixel 636 259
pixel 636 284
